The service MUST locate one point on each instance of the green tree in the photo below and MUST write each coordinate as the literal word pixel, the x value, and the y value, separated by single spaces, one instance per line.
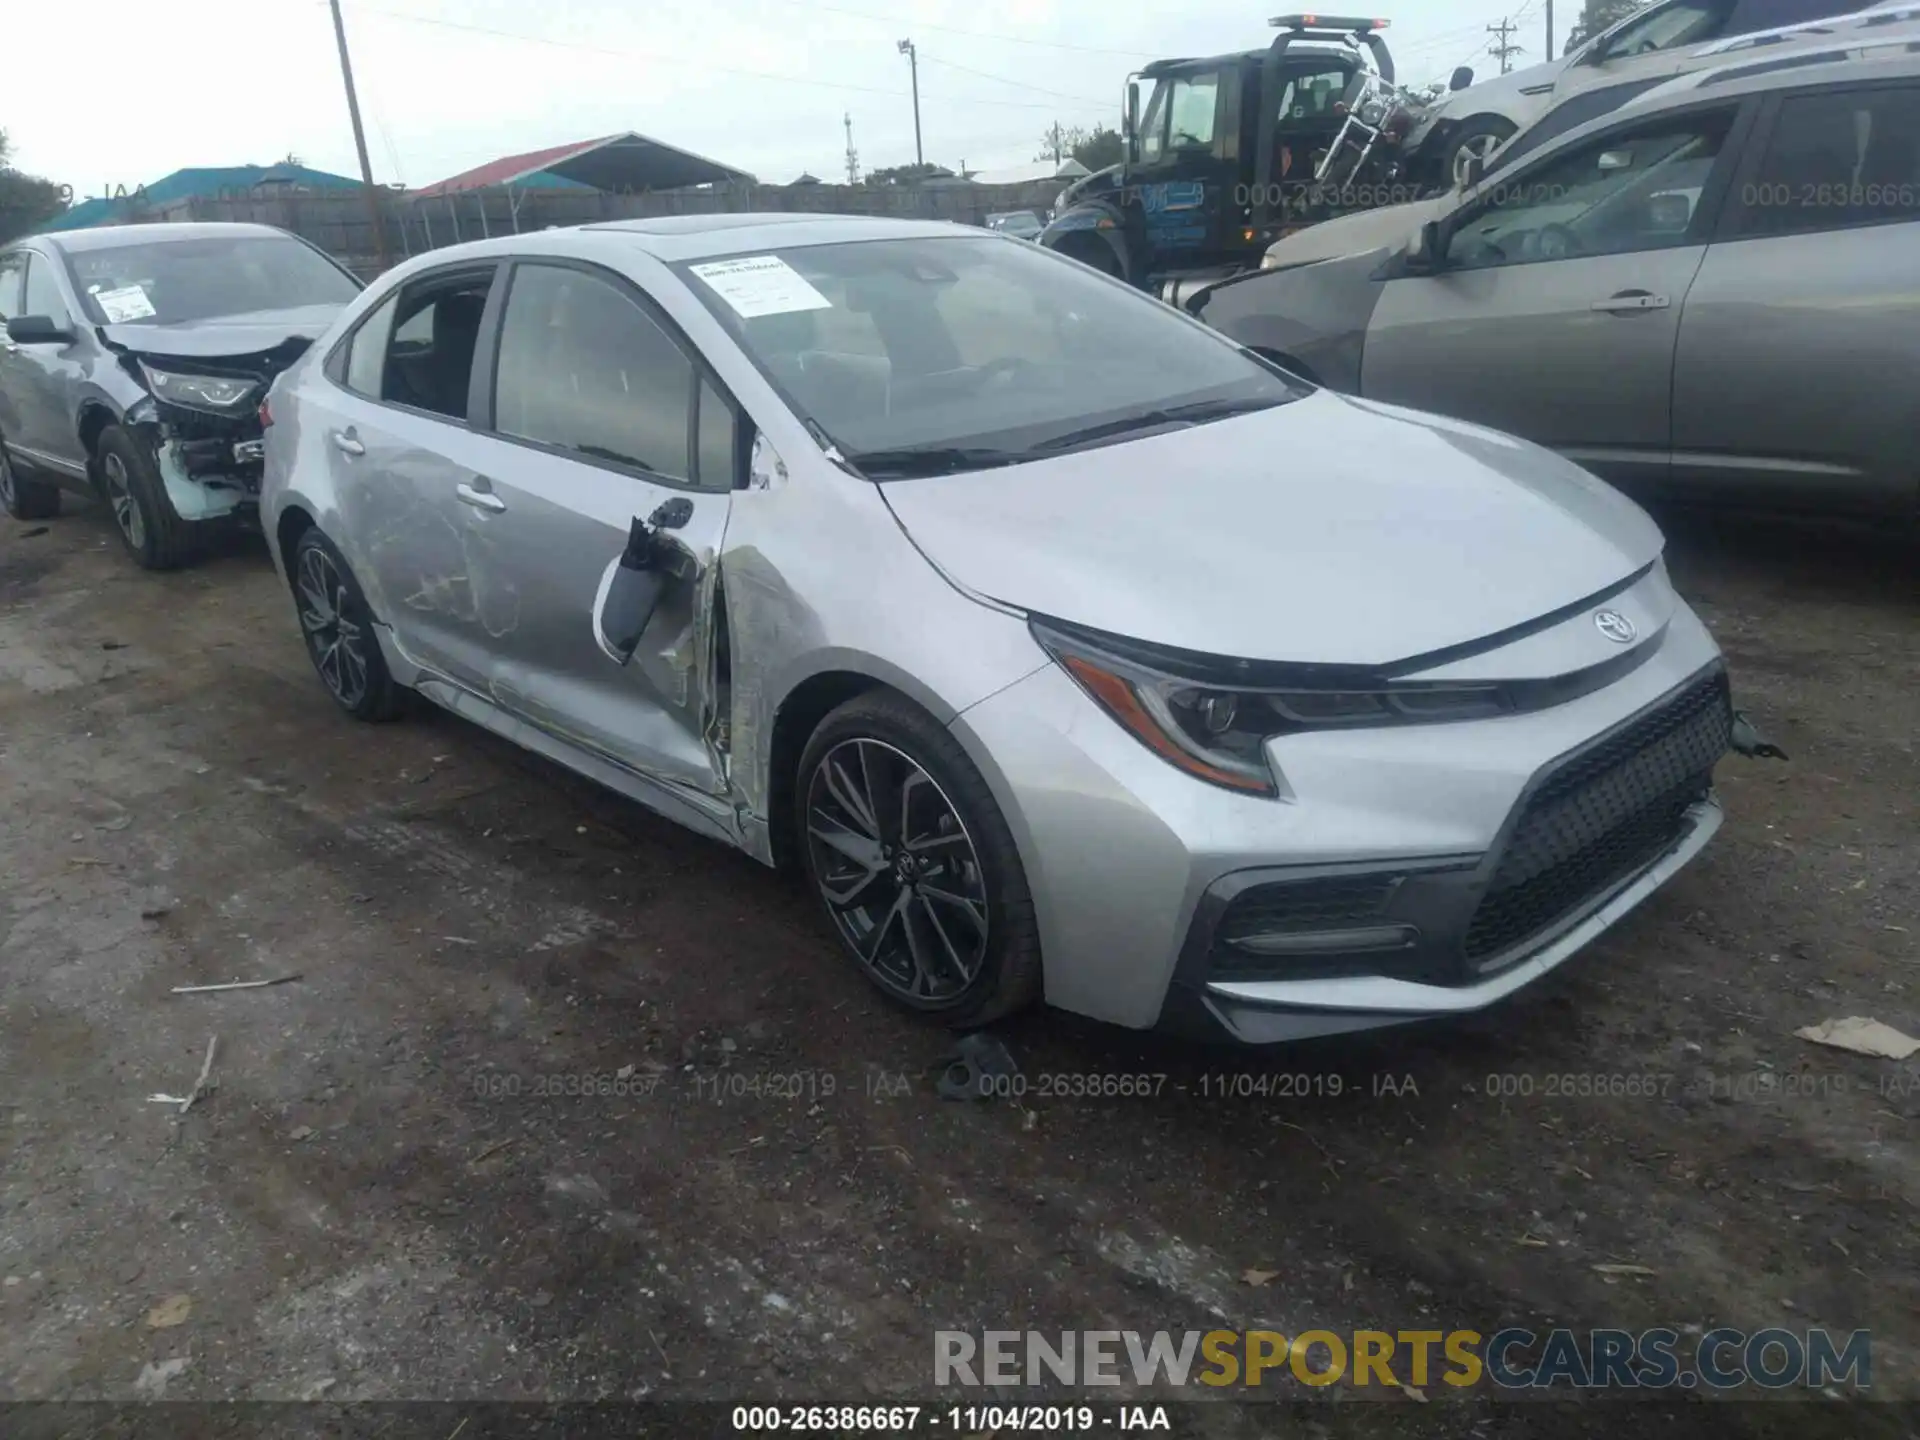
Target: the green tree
pixel 905 174
pixel 1101 147
pixel 26 201
pixel 1058 142
pixel 1598 15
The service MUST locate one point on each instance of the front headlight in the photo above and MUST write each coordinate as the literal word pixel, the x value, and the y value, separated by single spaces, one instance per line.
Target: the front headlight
pixel 1213 717
pixel 218 393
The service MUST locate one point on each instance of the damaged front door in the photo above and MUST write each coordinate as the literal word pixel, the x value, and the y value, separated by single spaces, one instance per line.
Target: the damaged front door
pixel 605 410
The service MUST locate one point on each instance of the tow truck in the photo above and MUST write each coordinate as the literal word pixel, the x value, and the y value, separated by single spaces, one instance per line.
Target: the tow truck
pixel 1232 152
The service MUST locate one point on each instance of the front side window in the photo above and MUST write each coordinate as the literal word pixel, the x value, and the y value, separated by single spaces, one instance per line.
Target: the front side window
pixel 585 369
pixel 43 292
pixel 169 282
pixel 1180 115
pixel 367 350
pixel 13 269
pixel 919 356
pixel 1625 192
pixel 1663 27
pixel 1836 160
pixel 718 459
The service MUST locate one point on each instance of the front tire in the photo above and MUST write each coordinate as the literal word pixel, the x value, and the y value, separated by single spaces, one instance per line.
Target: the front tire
pixel 26 499
pixel 914 863
pixel 1480 136
pixel 154 534
pixel 337 624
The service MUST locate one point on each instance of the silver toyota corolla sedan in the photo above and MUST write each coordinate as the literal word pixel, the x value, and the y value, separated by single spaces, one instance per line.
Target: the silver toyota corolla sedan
pixel 1070 650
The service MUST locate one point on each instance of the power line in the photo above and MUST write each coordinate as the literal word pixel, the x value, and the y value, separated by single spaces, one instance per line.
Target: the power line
pixel 523 38
pixel 1018 84
pixel 976 34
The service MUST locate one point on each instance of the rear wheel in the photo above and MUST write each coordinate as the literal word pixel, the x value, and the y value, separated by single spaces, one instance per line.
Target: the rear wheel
pixel 25 499
pixel 337 625
pixel 154 534
pixel 914 863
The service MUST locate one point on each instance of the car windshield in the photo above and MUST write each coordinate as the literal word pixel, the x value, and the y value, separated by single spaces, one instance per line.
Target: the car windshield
pixel 921 356
pixel 171 281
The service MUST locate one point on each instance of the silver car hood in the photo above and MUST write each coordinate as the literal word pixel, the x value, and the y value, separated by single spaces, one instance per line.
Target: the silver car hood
pixel 1387 227
pixel 224 335
pixel 1329 531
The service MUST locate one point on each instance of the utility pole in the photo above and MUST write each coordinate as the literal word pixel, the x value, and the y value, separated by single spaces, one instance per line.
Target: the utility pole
pixel 360 139
pixel 913 61
pixel 853 155
pixel 1505 49
pixel 1549 29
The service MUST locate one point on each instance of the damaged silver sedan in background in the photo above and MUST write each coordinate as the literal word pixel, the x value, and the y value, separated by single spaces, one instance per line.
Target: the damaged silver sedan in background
pixel 1067 648
pixel 135 361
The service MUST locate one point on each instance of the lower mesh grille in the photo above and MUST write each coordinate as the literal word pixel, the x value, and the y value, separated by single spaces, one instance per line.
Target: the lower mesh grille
pixel 1604 814
pixel 1296 907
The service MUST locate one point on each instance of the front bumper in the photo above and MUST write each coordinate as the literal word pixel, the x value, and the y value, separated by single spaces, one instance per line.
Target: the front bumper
pixel 1437 868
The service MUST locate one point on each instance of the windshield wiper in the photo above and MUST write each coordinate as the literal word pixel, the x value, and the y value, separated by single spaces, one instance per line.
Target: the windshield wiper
pixel 910 463
pixel 1197 413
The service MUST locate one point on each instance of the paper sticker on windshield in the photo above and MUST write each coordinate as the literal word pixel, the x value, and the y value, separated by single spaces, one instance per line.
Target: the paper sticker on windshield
pixel 757 285
pixel 127 303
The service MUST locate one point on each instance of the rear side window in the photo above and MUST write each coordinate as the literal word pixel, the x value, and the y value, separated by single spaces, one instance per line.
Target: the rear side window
pixel 1752 15
pixel 585 369
pixel 1837 160
pixel 429 354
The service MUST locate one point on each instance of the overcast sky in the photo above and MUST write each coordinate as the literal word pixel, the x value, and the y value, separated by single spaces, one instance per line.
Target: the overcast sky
pixel 761 84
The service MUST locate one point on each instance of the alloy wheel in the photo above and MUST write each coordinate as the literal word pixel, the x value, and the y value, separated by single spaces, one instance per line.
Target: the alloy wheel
pixel 336 641
pixel 126 510
pixel 6 481
pixel 898 871
pixel 1481 148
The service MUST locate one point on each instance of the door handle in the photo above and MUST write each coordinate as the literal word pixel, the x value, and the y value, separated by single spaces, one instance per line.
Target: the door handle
pixel 480 498
pixel 346 444
pixel 1631 302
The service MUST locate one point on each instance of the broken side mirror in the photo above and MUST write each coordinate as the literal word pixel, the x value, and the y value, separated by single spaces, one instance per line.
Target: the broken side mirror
pixel 1462 78
pixel 38 330
pixel 630 590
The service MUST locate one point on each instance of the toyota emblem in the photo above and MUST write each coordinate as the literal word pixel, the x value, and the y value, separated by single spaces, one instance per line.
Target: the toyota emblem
pixel 1615 626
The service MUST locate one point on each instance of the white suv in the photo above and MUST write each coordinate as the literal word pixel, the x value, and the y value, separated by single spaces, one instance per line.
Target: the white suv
pixel 1654 43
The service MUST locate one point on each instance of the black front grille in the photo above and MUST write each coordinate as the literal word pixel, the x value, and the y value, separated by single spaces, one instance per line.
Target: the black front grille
pixel 1604 814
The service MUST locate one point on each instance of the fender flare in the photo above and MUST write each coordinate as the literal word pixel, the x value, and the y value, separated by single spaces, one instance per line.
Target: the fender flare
pixel 1098 220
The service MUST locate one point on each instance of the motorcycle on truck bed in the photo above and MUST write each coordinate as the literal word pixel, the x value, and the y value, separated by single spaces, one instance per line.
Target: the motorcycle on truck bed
pixel 1225 155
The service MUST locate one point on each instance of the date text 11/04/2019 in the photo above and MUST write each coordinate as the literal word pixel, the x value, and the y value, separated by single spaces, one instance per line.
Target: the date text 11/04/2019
pixel 956 1419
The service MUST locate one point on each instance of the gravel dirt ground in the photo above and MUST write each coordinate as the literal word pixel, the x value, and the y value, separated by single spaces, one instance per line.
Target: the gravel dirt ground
pixel 374 1201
